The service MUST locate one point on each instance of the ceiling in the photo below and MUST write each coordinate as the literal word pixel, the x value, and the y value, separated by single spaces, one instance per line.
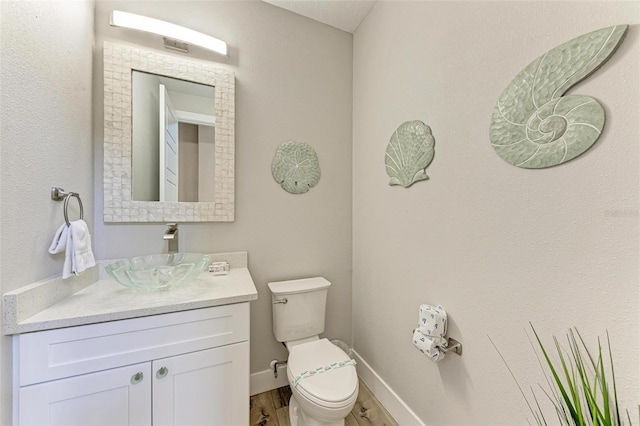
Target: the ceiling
pixel 342 14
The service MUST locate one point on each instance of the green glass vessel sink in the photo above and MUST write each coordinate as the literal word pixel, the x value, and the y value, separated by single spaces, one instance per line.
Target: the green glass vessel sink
pixel 158 271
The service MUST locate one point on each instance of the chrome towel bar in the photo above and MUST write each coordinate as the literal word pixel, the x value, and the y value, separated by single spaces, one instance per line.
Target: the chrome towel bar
pixel 58 194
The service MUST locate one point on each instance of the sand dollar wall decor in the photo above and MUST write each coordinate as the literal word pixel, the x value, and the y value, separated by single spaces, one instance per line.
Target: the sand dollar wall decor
pixel 409 152
pixel 533 125
pixel 295 167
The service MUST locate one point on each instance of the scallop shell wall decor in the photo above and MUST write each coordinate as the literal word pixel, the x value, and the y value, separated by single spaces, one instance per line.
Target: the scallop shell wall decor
pixel 295 167
pixel 409 152
pixel 534 126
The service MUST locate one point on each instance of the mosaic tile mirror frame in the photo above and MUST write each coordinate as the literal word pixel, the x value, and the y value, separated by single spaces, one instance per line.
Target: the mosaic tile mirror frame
pixel 119 61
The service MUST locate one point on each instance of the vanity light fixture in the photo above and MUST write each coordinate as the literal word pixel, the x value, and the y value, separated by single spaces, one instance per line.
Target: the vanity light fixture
pixel 167 30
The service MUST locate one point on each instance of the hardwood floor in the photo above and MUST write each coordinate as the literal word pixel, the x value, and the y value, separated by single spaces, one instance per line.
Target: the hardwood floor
pixel 272 409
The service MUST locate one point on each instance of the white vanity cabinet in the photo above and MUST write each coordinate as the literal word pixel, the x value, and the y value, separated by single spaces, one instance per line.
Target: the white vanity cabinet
pixel 109 397
pixel 182 368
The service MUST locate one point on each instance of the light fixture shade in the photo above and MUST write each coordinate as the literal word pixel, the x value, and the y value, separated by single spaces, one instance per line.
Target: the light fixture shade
pixel 167 29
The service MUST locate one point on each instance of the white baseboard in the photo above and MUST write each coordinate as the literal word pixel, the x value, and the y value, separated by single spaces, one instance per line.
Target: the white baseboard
pixel 263 381
pixel 387 397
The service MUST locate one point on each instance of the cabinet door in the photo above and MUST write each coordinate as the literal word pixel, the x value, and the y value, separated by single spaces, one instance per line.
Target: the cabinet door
pixel 209 387
pixel 116 397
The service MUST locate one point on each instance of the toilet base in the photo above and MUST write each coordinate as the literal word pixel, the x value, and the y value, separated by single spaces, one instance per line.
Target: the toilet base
pixel 298 418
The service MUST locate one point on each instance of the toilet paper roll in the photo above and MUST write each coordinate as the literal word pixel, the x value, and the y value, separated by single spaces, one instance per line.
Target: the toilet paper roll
pixel 428 345
pixel 433 321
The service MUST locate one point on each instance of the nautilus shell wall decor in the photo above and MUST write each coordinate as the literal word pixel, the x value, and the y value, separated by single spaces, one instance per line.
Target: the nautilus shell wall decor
pixel 295 167
pixel 533 125
pixel 409 152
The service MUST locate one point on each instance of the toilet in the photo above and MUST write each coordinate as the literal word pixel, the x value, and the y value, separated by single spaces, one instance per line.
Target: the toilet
pixel 322 377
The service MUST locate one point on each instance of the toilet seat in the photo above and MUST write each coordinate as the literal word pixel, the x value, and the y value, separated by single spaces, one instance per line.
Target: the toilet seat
pixel 331 389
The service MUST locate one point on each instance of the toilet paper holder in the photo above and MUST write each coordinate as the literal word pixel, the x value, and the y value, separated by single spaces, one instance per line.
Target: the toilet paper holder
pixel 453 345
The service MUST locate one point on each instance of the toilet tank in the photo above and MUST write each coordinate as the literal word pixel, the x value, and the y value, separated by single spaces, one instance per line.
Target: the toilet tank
pixel 303 313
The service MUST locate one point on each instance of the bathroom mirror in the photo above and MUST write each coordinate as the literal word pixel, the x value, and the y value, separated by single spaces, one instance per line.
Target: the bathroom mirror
pixel 173 139
pixel 145 177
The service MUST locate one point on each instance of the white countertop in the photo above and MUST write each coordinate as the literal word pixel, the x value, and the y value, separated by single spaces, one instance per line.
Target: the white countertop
pixel 106 300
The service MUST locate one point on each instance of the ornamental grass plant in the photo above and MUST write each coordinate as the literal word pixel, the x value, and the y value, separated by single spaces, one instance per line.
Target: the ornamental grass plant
pixel 581 385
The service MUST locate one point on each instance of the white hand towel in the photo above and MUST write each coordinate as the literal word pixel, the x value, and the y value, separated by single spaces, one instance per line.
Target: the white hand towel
pixel 61 242
pixel 75 241
pixel 429 345
pixel 433 321
pixel 81 255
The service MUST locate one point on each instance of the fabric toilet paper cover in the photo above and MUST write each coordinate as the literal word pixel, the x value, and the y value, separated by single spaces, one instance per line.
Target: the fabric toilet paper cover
pixel 428 345
pixel 433 321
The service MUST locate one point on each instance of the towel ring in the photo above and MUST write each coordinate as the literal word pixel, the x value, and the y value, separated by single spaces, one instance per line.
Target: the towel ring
pixel 66 205
pixel 59 194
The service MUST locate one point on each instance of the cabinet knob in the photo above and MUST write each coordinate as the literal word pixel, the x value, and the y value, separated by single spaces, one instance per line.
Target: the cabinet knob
pixel 162 372
pixel 137 378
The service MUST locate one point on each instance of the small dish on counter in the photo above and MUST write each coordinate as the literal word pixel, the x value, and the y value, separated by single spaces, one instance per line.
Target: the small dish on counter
pixel 158 271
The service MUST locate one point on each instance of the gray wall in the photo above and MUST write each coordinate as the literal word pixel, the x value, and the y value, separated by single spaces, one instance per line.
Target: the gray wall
pixel 188 162
pixel 496 245
pixel 293 82
pixel 46 140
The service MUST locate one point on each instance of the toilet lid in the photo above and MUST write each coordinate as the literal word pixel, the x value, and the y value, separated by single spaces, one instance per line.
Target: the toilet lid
pixel 335 385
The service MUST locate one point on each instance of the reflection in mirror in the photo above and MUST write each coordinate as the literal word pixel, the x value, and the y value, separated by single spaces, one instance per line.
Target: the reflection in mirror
pixel 199 127
pixel 173 139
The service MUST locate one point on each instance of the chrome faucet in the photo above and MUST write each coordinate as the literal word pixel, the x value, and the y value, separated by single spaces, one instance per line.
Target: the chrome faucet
pixel 172 237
